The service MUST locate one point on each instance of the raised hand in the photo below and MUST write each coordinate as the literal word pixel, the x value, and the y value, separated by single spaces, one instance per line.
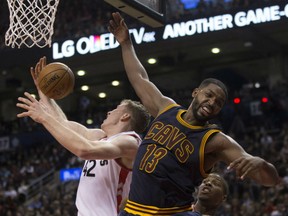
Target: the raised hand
pixel 118 28
pixel 38 68
pixel 35 109
pixel 35 74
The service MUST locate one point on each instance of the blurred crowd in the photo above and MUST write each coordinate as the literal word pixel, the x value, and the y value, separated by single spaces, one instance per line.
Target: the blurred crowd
pixel 264 134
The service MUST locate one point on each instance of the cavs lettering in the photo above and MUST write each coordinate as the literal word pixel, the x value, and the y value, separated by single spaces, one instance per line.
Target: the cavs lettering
pixel 170 142
pixel 170 138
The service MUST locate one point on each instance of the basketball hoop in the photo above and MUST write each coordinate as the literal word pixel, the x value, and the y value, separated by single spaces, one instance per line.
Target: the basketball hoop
pixel 31 23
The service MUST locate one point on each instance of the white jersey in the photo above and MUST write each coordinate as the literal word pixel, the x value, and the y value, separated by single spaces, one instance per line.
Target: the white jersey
pixel 103 185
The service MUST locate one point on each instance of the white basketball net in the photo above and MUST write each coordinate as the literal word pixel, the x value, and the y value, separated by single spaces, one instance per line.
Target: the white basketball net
pixel 31 23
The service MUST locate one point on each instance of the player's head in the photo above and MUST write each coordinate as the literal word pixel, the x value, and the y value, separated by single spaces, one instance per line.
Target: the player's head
pixel 213 191
pixel 140 117
pixel 217 82
pixel 208 99
pixel 131 115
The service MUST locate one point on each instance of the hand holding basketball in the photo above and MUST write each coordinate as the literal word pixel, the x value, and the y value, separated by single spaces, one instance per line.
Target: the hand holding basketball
pixel 56 80
pixel 36 71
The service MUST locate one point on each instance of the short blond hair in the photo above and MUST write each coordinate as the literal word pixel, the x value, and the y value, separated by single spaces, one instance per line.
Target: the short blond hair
pixel 140 116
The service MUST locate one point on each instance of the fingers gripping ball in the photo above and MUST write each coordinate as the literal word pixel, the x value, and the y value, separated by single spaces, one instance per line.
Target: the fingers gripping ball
pixel 56 80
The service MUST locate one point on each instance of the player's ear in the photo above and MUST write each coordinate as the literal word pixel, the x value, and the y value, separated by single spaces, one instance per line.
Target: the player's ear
pixel 224 198
pixel 195 92
pixel 125 117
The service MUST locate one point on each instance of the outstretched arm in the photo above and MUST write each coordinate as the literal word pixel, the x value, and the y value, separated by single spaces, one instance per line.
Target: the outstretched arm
pixel 54 109
pixel 148 93
pixel 244 164
pixel 123 146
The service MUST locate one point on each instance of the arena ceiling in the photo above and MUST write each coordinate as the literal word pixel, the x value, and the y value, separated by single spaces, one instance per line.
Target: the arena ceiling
pixel 247 55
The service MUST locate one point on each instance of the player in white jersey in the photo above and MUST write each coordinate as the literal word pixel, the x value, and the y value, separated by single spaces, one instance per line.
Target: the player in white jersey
pixel 103 183
pixel 108 150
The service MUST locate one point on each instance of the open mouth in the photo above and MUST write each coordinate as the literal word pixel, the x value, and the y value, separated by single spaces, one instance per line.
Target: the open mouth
pixel 206 111
pixel 206 190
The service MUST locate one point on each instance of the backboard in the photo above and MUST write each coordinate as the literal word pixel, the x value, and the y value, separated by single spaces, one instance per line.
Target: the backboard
pixel 150 12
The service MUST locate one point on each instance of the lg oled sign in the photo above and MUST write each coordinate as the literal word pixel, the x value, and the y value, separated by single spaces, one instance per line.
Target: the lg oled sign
pixel 96 43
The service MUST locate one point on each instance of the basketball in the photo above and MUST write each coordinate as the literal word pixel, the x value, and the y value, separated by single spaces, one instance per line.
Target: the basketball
pixel 56 80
